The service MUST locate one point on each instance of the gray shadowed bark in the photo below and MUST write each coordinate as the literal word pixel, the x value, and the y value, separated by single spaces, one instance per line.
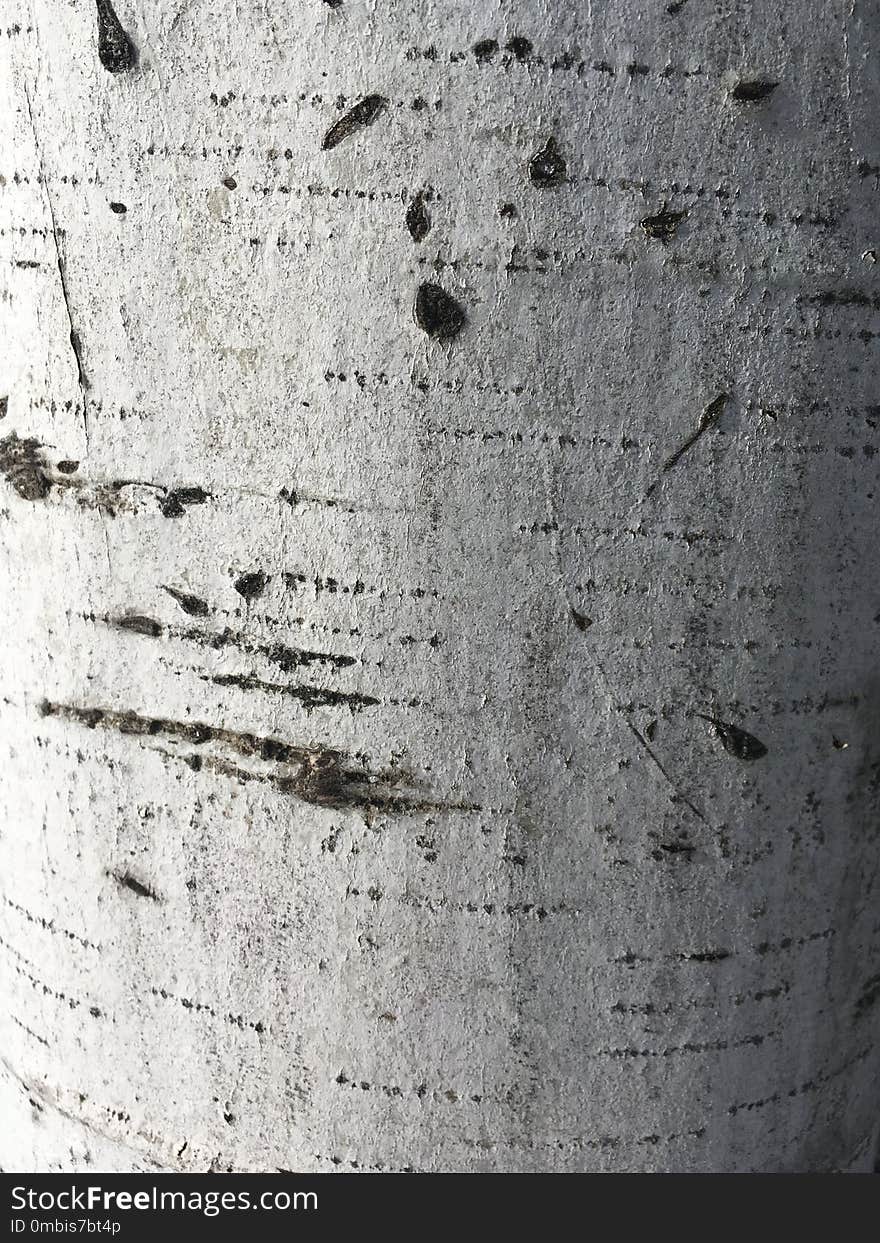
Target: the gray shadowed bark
pixel 440 712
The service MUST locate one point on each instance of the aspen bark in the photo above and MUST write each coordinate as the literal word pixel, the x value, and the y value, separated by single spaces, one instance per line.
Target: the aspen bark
pixel 439 674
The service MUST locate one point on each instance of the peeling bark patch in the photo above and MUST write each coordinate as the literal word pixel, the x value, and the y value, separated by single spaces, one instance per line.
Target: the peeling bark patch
pixel 251 586
pixel 23 465
pixel 735 741
pixel 547 168
pixel 664 225
pixel 418 219
pixel 115 50
pixel 752 91
pixel 193 605
pixel 173 504
pixel 437 313
pixel 357 118
pixel 708 418
pixel 127 881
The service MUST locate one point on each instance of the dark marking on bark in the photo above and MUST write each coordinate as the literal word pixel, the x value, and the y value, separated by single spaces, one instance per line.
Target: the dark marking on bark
pixel 281 655
pixel 708 418
pixel 485 50
pixel 704 956
pixel 4 407
pixel 868 997
pixel 173 504
pixel 359 117
pixel 651 731
pixel 437 313
pixel 67 467
pixel 130 882
pixel 118 209
pixel 547 168
pixel 735 741
pixel 751 91
pixel 581 620
pixel 636 69
pixel 838 743
pixel 675 8
pixel 230 183
pixel 664 225
pixel 507 211
pixel 251 585
pixel 193 605
pixel 139 624
pixel 333 4
pixel 116 51
pixel 23 465
pixel 520 47
pixel 308 696
pixel 323 776
pixel 418 219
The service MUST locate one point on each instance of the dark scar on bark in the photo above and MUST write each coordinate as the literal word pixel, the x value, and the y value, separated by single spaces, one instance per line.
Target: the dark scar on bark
pixel 193 605
pixel 437 313
pixel 708 418
pixel 116 51
pixel 418 219
pixel 485 50
pixel 520 47
pixel 173 504
pixel 868 997
pixel 675 7
pixel 735 741
pixel 308 696
pixel 130 882
pixel 118 209
pixel 358 117
pixel 581 620
pixel 664 225
pixel 23 465
pixel 547 168
pixel 315 774
pixel 750 92
pixel 139 624
pixel 67 467
pixel 250 586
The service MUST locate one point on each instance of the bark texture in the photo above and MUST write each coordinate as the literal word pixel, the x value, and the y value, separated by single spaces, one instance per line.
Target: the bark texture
pixel 441 719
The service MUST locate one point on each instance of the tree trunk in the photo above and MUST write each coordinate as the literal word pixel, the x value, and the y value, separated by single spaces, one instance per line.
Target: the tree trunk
pixel 440 698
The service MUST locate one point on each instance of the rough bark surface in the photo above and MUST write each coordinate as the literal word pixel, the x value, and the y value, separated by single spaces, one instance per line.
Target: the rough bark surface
pixel 440 719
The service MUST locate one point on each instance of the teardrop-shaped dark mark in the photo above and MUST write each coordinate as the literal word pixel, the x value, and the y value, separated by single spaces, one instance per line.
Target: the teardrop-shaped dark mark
pixel 116 51
pixel 437 313
pixel 581 620
pixel 118 209
pixel 418 220
pixel 664 225
pixel 358 117
pixel 485 50
pixel 736 741
pixel 251 585
pixel 194 606
pixel 547 167
pixel 753 91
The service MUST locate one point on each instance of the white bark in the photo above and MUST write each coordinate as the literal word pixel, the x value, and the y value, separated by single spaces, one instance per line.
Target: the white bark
pixel 497 897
